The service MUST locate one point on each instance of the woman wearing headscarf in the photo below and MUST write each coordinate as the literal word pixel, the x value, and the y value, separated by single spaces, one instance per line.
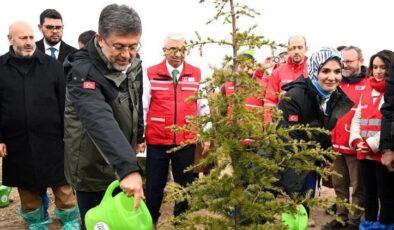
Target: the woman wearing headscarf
pixel 316 101
pixel 365 132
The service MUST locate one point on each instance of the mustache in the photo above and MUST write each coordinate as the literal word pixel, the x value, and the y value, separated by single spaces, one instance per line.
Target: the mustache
pixel 28 46
pixel 123 59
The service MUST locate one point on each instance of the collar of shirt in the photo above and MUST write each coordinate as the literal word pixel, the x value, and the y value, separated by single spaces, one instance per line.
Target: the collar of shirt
pixel 47 46
pixel 170 68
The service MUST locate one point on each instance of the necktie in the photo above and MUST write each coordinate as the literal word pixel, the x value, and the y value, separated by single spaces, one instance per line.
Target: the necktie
pixel 175 73
pixel 53 50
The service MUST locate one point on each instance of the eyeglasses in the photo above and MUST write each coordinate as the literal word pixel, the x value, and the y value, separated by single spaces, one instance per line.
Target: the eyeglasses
pixel 347 62
pixel 174 50
pixel 51 27
pixel 119 48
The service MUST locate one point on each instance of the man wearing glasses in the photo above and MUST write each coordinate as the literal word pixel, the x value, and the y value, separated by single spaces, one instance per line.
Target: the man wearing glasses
pixel 354 85
pixel 170 84
pixel 104 116
pixel 51 27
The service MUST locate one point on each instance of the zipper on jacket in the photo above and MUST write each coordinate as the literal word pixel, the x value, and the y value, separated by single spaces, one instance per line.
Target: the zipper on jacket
pixel 175 109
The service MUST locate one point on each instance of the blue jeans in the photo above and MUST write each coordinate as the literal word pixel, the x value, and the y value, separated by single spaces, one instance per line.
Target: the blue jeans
pixel 309 184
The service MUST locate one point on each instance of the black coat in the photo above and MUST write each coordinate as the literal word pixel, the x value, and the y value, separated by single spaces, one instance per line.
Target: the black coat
pixel 387 110
pixel 31 120
pixel 64 51
pixel 302 106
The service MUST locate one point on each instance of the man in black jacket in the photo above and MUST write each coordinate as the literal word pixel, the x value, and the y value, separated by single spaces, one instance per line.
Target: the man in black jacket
pixel 51 27
pixel 31 129
pixel 104 116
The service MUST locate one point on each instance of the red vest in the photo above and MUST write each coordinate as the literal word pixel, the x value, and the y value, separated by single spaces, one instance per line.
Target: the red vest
pixel 370 121
pixel 341 133
pixel 168 104
pixel 250 102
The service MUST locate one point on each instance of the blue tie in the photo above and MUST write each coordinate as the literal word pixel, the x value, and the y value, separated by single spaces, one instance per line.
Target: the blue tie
pixel 53 50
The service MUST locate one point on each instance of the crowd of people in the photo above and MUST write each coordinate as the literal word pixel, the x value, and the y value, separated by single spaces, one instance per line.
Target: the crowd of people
pixel 73 120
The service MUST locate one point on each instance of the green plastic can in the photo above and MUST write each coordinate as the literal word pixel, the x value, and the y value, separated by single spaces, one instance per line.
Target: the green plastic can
pixel 4 195
pixel 299 221
pixel 117 212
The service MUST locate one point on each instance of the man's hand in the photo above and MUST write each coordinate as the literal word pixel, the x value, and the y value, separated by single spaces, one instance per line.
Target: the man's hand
pixel 205 147
pixel 388 160
pixel 140 148
pixel 132 185
pixel 3 150
pixel 268 63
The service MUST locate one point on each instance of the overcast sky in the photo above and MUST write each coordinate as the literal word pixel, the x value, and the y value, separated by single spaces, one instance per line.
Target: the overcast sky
pixel 366 24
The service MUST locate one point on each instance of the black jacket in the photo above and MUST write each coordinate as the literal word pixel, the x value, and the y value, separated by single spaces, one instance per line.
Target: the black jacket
pixel 31 120
pixel 103 108
pixel 64 51
pixel 302 106
pixel 387 110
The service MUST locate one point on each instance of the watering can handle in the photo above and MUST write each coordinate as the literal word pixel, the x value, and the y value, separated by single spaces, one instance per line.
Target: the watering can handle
pixel 110 190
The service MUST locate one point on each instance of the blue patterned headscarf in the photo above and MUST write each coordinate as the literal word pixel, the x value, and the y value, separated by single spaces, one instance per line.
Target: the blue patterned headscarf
pixel 316 61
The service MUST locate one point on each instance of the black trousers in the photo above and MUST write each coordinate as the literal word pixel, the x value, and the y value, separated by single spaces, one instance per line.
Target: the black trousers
pixel 157 165
pixel 86 201
pixel 379 189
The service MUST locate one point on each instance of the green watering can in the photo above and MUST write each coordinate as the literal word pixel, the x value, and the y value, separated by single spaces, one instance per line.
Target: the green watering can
pixel 117 212
pixel 299 221
pixel 4 195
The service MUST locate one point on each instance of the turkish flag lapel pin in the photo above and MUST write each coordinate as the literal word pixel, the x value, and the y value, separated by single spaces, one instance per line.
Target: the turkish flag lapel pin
pixel 89 85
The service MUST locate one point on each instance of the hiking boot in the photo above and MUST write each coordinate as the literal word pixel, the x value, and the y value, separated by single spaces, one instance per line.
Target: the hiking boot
pixel 334 224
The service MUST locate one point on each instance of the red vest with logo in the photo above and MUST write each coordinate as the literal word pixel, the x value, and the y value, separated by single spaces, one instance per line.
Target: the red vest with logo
pixel 168 105
pixel 341 133
pixel 370 121
pixel 250 102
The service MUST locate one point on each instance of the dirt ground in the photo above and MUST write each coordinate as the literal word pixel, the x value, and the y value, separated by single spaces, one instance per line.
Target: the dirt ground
pixel 10 220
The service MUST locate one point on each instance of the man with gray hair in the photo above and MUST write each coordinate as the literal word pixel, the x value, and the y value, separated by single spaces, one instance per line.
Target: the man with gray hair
pixel 168 86
pixel 104 117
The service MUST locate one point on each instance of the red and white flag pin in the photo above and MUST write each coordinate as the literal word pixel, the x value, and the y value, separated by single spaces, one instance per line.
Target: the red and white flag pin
pixel 89 85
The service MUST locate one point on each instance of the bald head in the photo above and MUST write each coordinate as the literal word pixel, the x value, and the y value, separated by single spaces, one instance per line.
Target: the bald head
pixel 297 48
pixel 297 38
pixel 21 38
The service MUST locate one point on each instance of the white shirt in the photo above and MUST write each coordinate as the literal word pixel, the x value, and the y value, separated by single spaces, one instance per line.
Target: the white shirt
pixel 202 104
pixel 171 68
pixel 48 51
